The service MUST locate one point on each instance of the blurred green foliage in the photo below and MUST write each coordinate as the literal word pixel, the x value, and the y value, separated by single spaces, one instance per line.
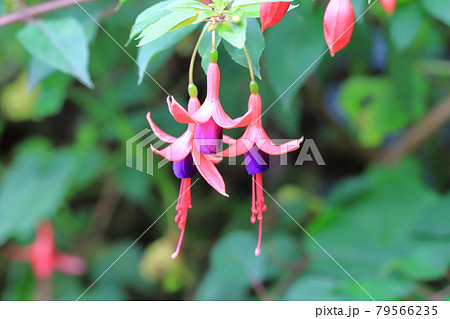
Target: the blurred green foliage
pixel 63 158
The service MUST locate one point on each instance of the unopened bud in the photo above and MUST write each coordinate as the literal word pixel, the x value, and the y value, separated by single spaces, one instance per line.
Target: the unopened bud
pixel 236 19
pixel 213 55
pixel 254 87
pixel 192 90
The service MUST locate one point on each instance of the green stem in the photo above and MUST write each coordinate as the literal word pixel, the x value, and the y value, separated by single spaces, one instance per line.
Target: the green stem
pixel 213 42
pixel 250 66
pixel 194 54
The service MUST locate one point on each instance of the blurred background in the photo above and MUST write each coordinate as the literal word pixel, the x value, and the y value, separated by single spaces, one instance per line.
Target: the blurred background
pixel 378 113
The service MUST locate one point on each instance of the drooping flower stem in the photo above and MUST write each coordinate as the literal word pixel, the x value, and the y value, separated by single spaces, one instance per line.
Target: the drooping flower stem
pixel 213 40
pixel 250 66
pixel 194 54
pixel 258 206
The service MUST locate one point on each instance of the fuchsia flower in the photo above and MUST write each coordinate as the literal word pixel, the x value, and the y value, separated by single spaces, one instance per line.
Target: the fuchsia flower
pixel 388 6
pixel 338 24
pixel 187 159
pixel 210 117
pixel 43 256
pixel 256 146
pixel 271 13
pixel 189 153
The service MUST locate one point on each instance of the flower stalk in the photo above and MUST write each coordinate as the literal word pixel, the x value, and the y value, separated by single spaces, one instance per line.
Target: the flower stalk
pixel 194 54
pixel 250 66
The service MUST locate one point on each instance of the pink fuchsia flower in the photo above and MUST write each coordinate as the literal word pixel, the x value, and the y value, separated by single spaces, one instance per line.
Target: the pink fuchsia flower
pixel 210 118
pixel 187 159
pixel 44 257
pixel 256 146
pixel 271 13
pixel 388 6
pixel 338 24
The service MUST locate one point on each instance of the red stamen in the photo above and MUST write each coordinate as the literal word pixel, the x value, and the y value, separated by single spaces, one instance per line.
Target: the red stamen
pixel 258 206
pixel 183 205
pixel 253 217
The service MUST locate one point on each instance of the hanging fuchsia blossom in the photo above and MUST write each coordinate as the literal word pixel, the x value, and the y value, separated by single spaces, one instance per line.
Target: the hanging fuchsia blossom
pixel 210 117
pixel 187 159
pixel 271 13
pixel 199 148
pixel 388 6
pixel 43 256
pixel 338 24
pixel 256 146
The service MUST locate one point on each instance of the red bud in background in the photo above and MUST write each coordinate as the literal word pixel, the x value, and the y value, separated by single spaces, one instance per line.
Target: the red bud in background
pixel 271 13
pixel 42 252
pixel 44 257
pixel 388 5
pixel 338 24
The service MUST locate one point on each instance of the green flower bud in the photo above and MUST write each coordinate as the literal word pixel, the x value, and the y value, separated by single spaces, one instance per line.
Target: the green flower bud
pixel 192 90
pixel 254 87
pixel 213 55
pixel 236 19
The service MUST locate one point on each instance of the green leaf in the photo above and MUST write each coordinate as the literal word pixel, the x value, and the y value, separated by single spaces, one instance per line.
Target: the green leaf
pixel 19 284
pixel 215 287
pixel 220 4
pixel 121 3
pixel 205 48
pixel 233 33
pixel 380 288
pixel 126 271
pixel 51 96
pixel 187 4
pixel 37 72
pixel 123 275
pixel 436 219
pixel 299 54
pixel 255 45
pixel 371 234
pixel 349 190
pixel 405 25
pixel 148 52
pixel 233 256
pixel 234 268
pixel 295 202
pixel 409 87
pixel 283 251
pixel 439 9
pixel 312 288
pixel 88 21
pixel 134 184
pixel 166 24
pixel 33 188
pixel 429 260
pixel 239 3
pixel 250 11
pixel 364 100
pixel 61 44
pixel 148 17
